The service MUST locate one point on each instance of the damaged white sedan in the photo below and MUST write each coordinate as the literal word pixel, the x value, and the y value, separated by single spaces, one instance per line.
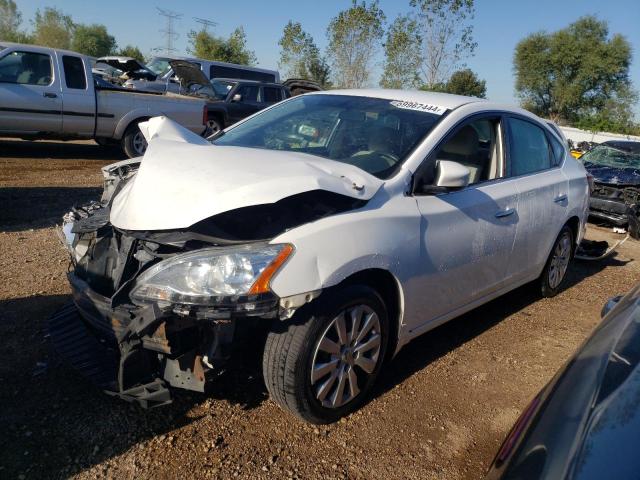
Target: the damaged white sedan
pixel 335 226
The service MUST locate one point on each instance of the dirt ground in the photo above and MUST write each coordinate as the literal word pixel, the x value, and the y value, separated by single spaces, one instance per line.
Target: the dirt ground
pixel 440 411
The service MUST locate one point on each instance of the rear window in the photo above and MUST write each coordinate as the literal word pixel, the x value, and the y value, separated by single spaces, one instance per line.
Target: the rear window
pixel 272 95
pixel 74 75
pixel 529 151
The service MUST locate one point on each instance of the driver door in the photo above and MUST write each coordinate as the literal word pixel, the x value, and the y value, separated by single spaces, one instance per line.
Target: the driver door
pixel 467 234
pixel 248 104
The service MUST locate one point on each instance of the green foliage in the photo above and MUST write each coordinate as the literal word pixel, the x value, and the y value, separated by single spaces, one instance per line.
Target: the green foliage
pixel 93 40
pixel 575 74
pixel 133 52
pixel 616 116
pixel 10 20
pixel 466 82
pixel 402 54
pixel 52 28
pixel 300 57
pixel 232 49
pixel 354 36
pixel 447 36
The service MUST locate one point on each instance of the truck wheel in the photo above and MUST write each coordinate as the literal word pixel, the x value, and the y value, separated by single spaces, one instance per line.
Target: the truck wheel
pixel 555 269
pixel 322 363
pixel 133 142
pixel 214 125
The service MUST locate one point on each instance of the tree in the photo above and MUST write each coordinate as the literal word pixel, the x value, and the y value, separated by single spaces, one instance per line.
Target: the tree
pixel 354 36
pixel 52 28
pixel 93 40
pixel 402 54
pixel 10 20
pixel 295 50
pixel 574 73
pixel 616 116
pixel 300 57
pixel 232 50
pixel 466 82
pixel 447 36
pixel 133 52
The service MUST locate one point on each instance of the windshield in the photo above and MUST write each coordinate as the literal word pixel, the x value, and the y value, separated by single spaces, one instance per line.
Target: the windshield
pixel 607 156
pixel 373 134
pixel 159 65
pixel 221 88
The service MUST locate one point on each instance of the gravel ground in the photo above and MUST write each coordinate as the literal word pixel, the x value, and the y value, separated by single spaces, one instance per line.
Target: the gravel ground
pixel 441 408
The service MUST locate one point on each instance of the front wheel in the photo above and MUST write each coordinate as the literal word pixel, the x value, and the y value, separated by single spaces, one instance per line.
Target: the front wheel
pixel 321 365
pixel 555 269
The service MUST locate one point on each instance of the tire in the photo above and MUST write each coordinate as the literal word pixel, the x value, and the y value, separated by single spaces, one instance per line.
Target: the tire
pixel 294 347
pixel 214 125
pixel 133 142
pixel 555 270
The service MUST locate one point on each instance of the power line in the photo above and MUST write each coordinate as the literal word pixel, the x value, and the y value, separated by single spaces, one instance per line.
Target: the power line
pixel 205 23
pixel 169 32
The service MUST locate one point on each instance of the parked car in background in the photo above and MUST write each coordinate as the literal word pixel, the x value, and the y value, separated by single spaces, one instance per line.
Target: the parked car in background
pixel 237 99
pixel 615 166
pixel 51 93
pixel 334 227
pixel 585 424
pixel 168 79
pixel 118 69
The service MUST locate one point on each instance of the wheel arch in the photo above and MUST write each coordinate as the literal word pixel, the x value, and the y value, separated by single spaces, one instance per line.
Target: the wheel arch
pixel 128 120
pixel 389 288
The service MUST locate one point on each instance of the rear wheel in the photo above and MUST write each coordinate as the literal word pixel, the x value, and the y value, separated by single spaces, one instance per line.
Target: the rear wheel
pixel 214 125
pixel 321 365
pixel 133 142
pixel 555 269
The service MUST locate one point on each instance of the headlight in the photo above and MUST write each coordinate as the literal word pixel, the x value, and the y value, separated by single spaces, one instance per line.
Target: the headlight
pixel 198 277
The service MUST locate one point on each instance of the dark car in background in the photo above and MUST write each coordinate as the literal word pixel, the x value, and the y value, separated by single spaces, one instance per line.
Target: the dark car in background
pixel 615 167
pixel 585 424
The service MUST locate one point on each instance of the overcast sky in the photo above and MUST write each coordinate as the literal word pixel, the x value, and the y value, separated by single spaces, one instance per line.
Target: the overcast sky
pixel 499 25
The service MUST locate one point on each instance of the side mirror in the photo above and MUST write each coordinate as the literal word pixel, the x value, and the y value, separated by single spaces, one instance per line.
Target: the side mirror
pixel 612 302
pixel 451 174
pixel 236 98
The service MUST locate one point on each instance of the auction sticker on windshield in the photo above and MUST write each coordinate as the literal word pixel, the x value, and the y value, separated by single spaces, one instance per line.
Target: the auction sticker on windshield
pixel 420 107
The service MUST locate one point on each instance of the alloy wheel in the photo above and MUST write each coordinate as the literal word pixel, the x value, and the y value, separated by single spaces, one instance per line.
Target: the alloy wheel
pixel 347 353
pixel 560 260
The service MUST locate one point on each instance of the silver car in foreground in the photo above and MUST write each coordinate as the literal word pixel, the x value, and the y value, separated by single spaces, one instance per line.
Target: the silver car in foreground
pixel 336 226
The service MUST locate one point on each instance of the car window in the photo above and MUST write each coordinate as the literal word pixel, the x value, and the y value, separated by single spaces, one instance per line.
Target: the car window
pixel 272 94
pixel 74 75
pixel 529 150
pixel 559 151
pixel 27 68
pixel 249 93
pixel 475 145
pixel 373 134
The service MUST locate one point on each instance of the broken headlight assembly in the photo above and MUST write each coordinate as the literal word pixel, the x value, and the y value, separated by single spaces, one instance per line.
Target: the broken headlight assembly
pixel 203 277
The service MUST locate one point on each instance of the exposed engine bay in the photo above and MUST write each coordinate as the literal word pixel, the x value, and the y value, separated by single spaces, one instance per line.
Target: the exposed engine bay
pixel 617 204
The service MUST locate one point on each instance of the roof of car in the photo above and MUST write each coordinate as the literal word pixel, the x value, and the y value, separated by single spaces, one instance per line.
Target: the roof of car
pixel 445 100
pixel 29 46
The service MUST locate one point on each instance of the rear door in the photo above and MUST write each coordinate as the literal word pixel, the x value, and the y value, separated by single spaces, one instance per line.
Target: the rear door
pixel 271 95
pixel 30 95
pixel 543 202
pixel 78 105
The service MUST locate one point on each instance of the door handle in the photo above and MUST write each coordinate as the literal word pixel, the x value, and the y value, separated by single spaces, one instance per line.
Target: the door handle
pixel 505 213
pixel 49 95
pixel 560 198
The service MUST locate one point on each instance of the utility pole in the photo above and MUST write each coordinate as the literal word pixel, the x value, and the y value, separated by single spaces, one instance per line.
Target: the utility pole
pixel 205 23
pixel 169 31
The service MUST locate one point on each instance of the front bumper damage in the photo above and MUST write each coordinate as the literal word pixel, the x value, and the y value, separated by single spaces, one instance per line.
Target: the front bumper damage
pixel 618 205
pixel 140 352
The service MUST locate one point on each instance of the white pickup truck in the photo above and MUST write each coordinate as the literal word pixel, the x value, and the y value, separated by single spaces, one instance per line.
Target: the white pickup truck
pixel 51 93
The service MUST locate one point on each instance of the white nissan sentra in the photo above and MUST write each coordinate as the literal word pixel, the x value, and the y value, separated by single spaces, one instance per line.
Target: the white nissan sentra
pixel 329 230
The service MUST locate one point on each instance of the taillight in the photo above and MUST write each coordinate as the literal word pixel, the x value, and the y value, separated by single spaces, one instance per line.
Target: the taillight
pixel 592 183
pixel 516 431
pixel 205 115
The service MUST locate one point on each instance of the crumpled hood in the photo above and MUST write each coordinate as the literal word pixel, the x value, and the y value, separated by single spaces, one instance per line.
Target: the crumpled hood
pixel 183 180
pixel 611 175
